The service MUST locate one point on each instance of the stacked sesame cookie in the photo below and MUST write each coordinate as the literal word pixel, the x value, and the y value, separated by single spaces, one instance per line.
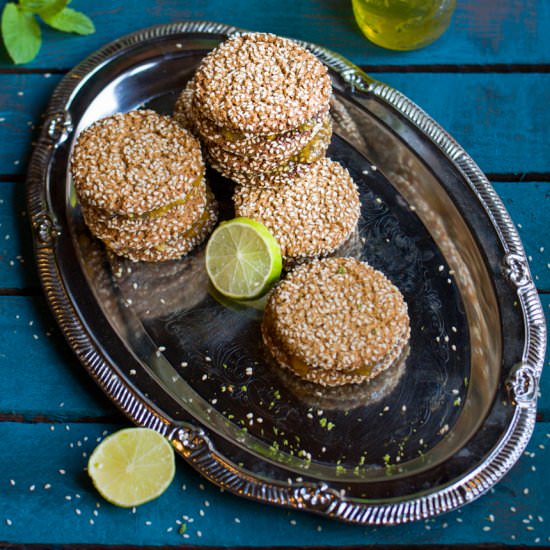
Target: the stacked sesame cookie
pixel 336 321
pixel 139 177
pixel 260 103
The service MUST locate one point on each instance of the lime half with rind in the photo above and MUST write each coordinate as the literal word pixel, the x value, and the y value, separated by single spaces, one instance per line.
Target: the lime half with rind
pixel 132 466
pixel 243 259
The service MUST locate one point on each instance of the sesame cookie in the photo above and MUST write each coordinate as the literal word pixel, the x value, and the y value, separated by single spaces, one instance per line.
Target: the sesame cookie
pixel 276 146
pixel 276 163
pixel 347 396
pixel 136 162
pixel 309 216
pixel 261 179
pixel 336 321
pixel 261 84
pixel 134 231
pixel 177 246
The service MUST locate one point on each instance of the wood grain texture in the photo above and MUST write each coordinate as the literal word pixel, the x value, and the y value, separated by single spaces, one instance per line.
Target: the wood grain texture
pixel 481 32
pixel 23 99
pixel 17 266
pixel 40 375
pixel 529 207
pixel 501 122
pixel 43 484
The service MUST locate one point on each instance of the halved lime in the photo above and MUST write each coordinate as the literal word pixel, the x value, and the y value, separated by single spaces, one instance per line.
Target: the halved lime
pixel 132 466
pixel 243 259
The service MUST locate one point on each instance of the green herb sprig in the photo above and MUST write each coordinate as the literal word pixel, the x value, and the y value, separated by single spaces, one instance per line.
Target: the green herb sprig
pixel 21 31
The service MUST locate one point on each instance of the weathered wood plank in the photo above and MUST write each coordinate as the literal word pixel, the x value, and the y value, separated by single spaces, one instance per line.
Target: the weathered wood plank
pixel 544 399
pixel 527 203
pixel 529 207
pixel 481 32
pixel 502 122
pixel 17 266
pixel 44 471
pixel 40 375
pixel 23 99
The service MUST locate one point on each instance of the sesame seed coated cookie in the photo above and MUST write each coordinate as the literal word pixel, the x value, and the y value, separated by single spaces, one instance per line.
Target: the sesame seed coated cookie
pixel 310 215
pixel 260 83
pixel 345 396
pixel 131 232
pixel 277 146
pixel 281 146
pixel 262 179
pixel 336 321
pixel 132 163
pixel 183 113
pixel 248 166
pixel 179 245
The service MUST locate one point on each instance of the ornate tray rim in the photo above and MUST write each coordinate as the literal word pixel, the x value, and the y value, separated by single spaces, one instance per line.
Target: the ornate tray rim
pixel 191 442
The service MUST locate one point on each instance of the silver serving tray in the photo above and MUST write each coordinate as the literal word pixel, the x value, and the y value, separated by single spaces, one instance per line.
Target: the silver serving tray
pixel 427 438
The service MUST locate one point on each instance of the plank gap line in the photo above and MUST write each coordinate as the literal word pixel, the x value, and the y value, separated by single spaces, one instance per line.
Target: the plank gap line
pixel 58 419
pixel 499 68
pixel 28 291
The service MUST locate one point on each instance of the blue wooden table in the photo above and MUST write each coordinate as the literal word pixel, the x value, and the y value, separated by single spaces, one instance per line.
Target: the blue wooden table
pixel 487 81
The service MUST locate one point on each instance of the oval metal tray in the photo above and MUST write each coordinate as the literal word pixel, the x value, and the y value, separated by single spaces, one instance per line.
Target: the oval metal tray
pixel 435 433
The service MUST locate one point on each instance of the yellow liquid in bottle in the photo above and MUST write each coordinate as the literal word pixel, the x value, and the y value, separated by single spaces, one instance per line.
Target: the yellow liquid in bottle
pixel 403 24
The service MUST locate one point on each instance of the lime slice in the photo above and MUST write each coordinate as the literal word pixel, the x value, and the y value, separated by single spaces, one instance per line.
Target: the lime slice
pixel 243 259
pixel 132 466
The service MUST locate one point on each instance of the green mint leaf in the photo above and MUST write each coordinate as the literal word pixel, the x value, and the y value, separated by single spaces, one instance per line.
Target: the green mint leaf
pixel 69 20
pixel 44 8
pixel 21 33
